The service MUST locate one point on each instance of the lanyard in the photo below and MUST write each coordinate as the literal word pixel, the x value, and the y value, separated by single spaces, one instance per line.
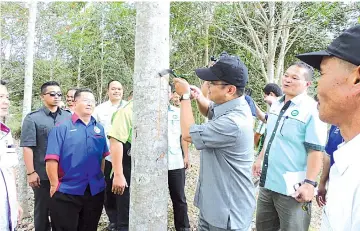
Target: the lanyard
pixel 8 201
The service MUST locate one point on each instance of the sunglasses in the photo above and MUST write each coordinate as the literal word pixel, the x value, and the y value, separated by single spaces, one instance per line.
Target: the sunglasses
pixel 53 93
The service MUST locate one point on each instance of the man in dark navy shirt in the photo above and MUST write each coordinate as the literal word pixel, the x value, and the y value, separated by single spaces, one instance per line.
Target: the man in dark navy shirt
pixel 74 163
pixel 34 138
pixel 334 140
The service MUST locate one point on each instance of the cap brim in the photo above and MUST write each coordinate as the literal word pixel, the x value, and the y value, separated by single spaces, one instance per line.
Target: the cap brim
pixel 314 58
pixel 206 74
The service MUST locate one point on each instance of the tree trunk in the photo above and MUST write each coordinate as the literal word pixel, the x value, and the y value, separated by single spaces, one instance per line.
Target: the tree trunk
pixel 271 43
pixel 78 80
pixel 102 28
pixel 149 187
pixel 29 68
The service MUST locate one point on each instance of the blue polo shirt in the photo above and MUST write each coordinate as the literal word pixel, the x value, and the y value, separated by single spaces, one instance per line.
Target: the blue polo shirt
pixel 79 149
pixel 251 103
pixel 334 140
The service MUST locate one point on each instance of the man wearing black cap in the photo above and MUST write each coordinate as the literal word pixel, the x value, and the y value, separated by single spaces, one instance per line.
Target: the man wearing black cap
pixel 225 191
pixel 339 104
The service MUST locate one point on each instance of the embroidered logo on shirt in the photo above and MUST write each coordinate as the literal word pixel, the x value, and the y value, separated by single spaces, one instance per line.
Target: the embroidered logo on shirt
pixel 96 129
pixel 295 113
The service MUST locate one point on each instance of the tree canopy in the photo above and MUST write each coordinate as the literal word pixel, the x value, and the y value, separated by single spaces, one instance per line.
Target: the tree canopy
pixel 87 44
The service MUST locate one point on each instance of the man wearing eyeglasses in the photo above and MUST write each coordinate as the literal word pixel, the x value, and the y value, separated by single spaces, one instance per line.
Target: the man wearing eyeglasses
pixel 75 160
pixel 34 138
pixel 292 155
pixel 225 191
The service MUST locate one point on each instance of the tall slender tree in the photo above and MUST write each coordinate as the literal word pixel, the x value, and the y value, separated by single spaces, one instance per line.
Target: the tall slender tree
pixel 29 68
pixel 148 191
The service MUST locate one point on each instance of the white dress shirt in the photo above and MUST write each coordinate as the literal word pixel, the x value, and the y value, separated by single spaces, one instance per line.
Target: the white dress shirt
pixel 8 160
pixel 342 211
pixel 175 157
pixel 103 114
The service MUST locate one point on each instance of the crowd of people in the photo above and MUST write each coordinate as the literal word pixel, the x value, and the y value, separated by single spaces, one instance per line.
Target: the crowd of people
pixel 78 156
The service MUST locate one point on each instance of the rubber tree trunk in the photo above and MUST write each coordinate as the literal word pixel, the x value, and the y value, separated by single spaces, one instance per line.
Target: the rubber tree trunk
pixel 149 187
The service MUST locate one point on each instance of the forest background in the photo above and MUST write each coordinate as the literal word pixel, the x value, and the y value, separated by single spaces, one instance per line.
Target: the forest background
pixel 87 44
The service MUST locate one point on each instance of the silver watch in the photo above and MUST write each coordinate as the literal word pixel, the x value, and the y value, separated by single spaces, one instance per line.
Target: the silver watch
pixel 185 96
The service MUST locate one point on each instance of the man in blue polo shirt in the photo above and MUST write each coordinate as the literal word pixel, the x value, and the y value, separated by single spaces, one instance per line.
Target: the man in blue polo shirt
pixel 334 140
pixel 74 163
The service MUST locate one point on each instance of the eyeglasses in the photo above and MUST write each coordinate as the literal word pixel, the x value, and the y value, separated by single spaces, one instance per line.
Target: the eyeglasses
pixel 53 93
pixel 87 101
pixel 217 84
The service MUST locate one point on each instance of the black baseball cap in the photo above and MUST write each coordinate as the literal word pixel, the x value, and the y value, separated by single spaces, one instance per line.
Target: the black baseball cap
pixel 227 68
pixel 345 47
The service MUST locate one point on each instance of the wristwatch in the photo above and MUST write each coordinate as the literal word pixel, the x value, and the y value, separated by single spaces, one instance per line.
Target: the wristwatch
pixel 185 96
pixel 313 183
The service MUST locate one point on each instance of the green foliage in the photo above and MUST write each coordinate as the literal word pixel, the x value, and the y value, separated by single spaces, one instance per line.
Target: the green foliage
pixel 98 39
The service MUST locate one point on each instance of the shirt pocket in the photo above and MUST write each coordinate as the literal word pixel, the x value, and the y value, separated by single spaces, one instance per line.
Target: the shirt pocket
pixel 44 130
pixel 98 142
pixel 292 129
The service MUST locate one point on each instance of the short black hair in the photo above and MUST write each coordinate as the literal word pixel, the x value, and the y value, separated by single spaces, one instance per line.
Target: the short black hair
pixel 72 89
pixel 309 69
pixel 240 91
pixel 3 82
pixel 274 88
pixel 48 84
pixel 112 80
pixel 81 90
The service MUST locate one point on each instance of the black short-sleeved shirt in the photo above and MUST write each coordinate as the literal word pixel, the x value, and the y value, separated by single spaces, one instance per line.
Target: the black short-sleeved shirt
pixel 34 134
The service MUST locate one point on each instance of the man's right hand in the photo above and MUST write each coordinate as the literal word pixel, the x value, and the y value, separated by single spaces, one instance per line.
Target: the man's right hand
pixel 52 190
pixel 119 184
pixel 256 168
pixel 195 92
pixel 321 195
pixel 34 180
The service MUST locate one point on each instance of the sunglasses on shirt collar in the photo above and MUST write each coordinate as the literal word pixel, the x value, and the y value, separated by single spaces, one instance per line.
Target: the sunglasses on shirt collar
pixel 53 93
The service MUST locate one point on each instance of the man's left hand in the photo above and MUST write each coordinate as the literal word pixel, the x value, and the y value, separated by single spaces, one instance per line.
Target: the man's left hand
pixel 181 86
pixel 305 193
pixel 20 213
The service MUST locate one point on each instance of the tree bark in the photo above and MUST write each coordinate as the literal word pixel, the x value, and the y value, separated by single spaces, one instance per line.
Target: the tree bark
pixel 149 188
pixel 29 69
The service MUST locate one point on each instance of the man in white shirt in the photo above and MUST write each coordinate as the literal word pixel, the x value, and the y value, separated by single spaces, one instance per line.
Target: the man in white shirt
pixel 103 114
pixel 178 161
pixel 339 104
pixel 10 211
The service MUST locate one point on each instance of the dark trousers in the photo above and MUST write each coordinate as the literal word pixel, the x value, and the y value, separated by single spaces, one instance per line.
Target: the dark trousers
pixel 76 213
pixel 110 198
pixel 123 201
pixel 41 206
pixel 176 180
